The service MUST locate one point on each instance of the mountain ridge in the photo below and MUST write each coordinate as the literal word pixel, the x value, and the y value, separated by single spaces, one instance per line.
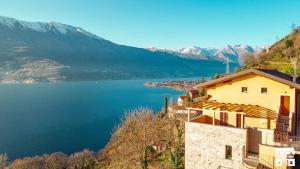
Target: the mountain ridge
pixel 44 52
pixel 235 53
pixel 43 26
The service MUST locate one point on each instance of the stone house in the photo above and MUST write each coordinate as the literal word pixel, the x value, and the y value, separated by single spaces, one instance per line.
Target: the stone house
pixel 249 117
pixel 180 100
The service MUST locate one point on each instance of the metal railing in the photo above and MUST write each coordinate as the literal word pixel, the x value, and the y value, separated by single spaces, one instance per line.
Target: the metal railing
pixel 294 141
pixel 282 135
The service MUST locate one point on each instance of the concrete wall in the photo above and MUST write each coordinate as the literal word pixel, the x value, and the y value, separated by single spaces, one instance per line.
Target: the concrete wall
pixel 205 146
pixel 259 136
pixel 230 92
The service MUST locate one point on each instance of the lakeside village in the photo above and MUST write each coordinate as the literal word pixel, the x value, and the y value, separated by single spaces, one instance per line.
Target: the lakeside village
pixel 180 85
pixel 249 119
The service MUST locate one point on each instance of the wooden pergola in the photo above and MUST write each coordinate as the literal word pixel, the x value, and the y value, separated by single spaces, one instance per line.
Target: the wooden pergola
pixel 246 110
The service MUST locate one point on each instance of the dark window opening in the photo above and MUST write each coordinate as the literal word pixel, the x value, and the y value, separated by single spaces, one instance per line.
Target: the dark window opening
pixel 228 152
pixel 264 90
pixel 244 89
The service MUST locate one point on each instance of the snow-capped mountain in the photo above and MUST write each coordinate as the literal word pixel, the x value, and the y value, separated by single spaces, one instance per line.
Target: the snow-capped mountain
pixel 235 53
pixel 43 27
pixel 50 51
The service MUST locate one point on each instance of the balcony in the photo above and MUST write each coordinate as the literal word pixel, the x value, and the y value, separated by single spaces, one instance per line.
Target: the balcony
pixel 230 114
pixel 282 136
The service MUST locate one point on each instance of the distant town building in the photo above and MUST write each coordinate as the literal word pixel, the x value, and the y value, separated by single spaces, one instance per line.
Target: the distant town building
pixel 180 101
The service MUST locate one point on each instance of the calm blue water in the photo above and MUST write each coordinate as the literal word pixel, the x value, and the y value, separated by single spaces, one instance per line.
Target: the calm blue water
pixel 70 116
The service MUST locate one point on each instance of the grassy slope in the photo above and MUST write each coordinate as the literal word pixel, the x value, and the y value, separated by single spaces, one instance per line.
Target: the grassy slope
pixel 275 57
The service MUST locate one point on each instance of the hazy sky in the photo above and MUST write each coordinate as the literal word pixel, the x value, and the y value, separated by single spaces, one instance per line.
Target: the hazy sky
pixel 167 23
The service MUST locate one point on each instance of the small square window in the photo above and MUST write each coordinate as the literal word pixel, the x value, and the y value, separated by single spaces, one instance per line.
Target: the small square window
pixel 244 89
pixel 264 90
pixel 228 152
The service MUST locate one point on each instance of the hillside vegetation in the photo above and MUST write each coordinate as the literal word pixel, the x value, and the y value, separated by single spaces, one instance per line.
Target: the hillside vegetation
pixel 283 55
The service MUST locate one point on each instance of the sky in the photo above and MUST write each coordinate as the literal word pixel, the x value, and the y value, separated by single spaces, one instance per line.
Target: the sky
pixel 171 24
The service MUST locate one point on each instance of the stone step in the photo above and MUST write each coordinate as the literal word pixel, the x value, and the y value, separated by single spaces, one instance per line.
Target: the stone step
pixel 260 166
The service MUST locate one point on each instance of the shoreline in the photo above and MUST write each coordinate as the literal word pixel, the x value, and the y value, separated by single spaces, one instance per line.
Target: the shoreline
pixel 179 85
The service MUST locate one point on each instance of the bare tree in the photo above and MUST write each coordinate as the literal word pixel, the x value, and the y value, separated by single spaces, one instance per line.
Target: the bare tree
pixel 136 133
pixel 56 161
pixel 80 160
pixel 249 60
pixel 36 162
pixel 172 137
pixel 3 160
pixel 143 140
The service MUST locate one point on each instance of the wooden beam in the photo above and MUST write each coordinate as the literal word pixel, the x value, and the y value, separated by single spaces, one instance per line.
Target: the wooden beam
pixel 214 118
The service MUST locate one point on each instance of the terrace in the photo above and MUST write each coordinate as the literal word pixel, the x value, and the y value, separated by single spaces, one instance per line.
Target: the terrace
pixel 229 114
pixel 273 131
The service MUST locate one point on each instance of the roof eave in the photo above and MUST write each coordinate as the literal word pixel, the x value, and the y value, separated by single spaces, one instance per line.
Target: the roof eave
pixel 246 72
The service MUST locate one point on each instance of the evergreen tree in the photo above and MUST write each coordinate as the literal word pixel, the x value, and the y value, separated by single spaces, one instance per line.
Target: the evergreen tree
pixel 165 111
pixel 202 79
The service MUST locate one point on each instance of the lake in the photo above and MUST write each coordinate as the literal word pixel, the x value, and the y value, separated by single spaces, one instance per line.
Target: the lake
pixel 69 116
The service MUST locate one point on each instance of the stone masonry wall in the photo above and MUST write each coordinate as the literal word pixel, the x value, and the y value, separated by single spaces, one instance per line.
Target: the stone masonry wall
pixel 205 146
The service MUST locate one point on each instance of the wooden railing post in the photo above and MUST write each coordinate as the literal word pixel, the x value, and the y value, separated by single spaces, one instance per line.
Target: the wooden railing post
pixel 273 165
pixel 189 114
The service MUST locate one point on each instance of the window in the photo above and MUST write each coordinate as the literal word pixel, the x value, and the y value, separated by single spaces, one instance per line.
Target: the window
pixel 244 89
pixel 264 90
pixel 228 152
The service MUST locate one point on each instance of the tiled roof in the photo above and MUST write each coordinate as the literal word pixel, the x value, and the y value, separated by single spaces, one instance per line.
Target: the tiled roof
pixel 182 97
pixel 176 107
pixel 279 75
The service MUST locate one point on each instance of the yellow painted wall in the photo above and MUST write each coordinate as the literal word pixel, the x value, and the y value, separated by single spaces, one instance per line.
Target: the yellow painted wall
pixel 256 122
pixel 249 121
pixel 231 116
pixel 230 92
pixel 267 155
pixel 260 123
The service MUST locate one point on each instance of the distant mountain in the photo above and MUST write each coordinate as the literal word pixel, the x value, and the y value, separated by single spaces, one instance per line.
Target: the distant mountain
pixel 235 53
pixel 37 52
